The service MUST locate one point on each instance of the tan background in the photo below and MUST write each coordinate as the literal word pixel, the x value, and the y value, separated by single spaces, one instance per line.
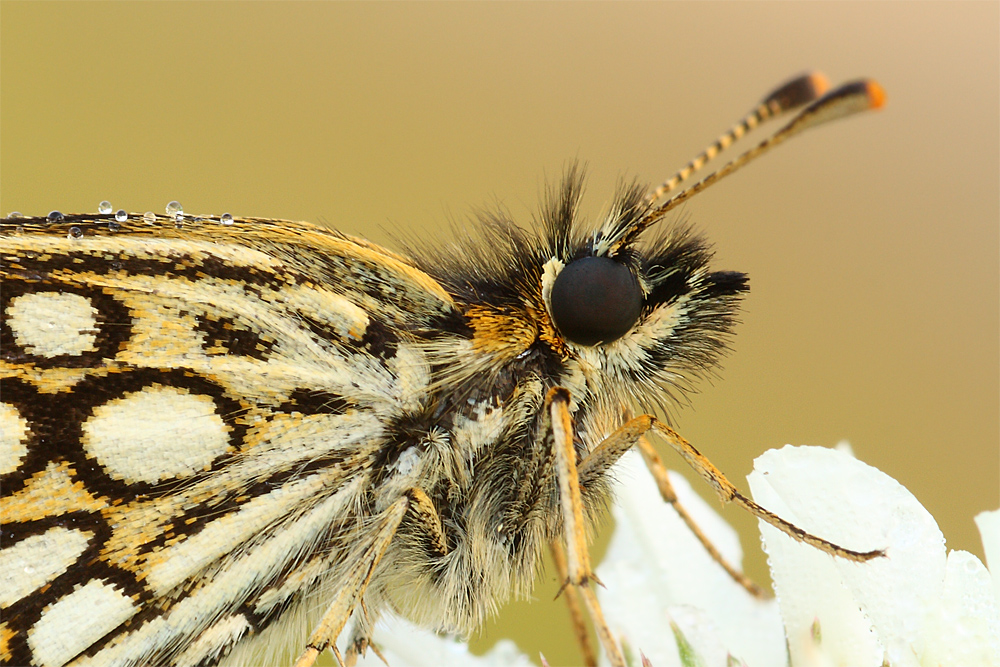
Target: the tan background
pixel 872 244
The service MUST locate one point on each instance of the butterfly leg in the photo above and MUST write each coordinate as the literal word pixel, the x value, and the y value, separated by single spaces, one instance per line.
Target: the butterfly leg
pixel 572 597
pixel 422 509
pixel 729 493
pixel 359 643
pixel 351 592
pixel 631 434
pixel 659 471
pixel 571 508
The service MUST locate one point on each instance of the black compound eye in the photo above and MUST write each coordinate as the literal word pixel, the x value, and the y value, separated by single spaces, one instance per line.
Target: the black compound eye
pixel 595 300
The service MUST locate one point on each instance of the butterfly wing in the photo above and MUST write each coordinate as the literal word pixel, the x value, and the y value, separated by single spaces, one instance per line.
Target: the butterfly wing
pixel 191 416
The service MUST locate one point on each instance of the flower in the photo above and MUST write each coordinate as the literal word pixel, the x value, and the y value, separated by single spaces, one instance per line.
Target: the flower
pixel 406 645
pixel 662 589
pixel 668 601
pixel 917 606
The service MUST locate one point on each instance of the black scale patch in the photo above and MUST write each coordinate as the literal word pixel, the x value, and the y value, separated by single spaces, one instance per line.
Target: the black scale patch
pixel 224 335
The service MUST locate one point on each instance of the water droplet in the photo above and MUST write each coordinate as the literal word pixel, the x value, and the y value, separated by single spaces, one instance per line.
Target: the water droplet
pixel 149 217
pixel 175 210
pixel 54 216
pixel 226 219
pixel 104 207
pixel 28 569
pixel 15 214
pixel 197 219
pixel 121 215
pixel 74 232
pixel 113 226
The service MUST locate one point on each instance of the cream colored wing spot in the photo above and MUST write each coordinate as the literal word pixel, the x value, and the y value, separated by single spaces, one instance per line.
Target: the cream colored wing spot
pixel 51 324
pixel 13 429
pixel 37 560
pixel 78 620
pixel 155 434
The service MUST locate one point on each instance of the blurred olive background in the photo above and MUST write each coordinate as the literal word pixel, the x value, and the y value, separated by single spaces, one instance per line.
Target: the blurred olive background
pixel 872 244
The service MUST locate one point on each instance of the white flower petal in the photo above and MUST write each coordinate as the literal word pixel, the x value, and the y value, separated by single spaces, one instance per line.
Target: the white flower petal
pixel 656 572
pixel 965 630
pixel 694 627
pixel 405 645
pixel 989 531
pixel 914 607
pixel 899 597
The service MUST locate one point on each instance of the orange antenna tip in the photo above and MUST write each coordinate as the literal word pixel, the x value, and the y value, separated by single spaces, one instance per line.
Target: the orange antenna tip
pixel 819 82
pixel 876 94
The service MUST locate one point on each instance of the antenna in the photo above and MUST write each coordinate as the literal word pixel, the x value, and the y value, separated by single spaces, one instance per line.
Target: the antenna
pixel 791 95
pixel 848 99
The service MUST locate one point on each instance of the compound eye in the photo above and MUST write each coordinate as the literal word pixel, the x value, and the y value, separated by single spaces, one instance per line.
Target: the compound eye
pixel 595 300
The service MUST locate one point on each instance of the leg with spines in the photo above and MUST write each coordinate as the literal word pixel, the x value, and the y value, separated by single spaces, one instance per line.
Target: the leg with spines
pixel 580 575
pixel 604 455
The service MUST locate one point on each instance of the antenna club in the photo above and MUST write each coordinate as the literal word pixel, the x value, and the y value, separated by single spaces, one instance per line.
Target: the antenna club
pixel 800 90
pixel 876 94
pixel 819 82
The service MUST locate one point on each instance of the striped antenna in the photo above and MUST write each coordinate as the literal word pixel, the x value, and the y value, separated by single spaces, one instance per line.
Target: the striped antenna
pixel 849 99
pixel 790 95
